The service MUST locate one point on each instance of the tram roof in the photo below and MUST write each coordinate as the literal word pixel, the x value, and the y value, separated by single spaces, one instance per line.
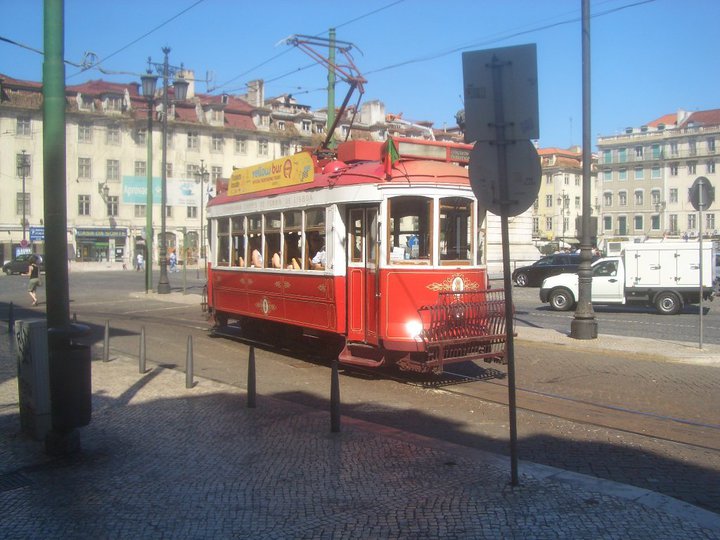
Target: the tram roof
pixel 365 162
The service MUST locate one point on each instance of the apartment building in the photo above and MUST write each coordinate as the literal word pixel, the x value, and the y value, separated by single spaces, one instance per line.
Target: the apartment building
pixel 645 174
pixel 558 208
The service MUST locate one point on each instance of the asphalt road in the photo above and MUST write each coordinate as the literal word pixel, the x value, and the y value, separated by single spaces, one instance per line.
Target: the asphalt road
pixel 652 424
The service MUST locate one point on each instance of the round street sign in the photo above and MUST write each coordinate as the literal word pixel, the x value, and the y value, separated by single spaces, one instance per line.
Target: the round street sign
pixel 702 194
pixel 523 176
pixel 24 243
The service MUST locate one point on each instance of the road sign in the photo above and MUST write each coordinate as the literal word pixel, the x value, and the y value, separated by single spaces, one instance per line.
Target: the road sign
pixel 518 88
pixel 24 243
pixel 523 176
pixel 37 234
pixel 702 194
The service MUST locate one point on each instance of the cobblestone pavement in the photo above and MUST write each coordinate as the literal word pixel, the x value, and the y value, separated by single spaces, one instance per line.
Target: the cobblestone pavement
pixel 163 461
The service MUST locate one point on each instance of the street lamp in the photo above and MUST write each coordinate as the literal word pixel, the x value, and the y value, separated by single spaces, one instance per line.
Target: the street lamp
pixel 202 176
pixel 23 165
pixel 149 84
pixel 180 86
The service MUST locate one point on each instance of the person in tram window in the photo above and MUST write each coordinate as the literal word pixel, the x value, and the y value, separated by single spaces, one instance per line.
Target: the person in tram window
pixel 256 259
pixel 276 260
pixel 320 258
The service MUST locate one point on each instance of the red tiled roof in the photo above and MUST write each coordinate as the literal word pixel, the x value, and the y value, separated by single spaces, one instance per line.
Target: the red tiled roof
pixel 667 120
pixel 559 151
pixel 705 118
pixel 239 121
pixel 185 114
pixel 104 87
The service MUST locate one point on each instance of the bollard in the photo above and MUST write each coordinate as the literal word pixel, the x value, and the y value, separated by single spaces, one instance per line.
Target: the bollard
pixel 189 364
pixel 251 389
pixel 335 398
pixel 74 319
pixel 141 364
pixel 106 342
pixel 11 318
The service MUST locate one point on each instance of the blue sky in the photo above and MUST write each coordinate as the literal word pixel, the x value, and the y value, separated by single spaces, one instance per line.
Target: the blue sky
pixel 649 57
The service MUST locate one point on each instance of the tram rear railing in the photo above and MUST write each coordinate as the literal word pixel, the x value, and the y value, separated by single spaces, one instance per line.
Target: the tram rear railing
pixel 465 325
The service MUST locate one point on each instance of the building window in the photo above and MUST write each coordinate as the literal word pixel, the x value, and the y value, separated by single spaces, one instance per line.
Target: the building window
pixel 23 126
pixel 639 173
pixel 141 135
pixel 22 205
pixel 655 172
pixel 215 173
pixel 692 167
pixel 673 223
pixel 655 196
pixel 285 149
pixel 692 147
pixel 710 169
pixel 548 201
pixel 548 224
pixel 536 226
pixel 114 103
pixel 84 133
pixel 113 135
pixel 216 115
pixel 577 179
pixel 306 126
pixel 692 221
pixel 607 223
pixel 281 125
pixel 83 205
pixel 607 175
pixel 192 212
pixel 140 210
pixel 639 198
pixel 638 223
pixel 577 202
pixel 607 156
pixel 140 168
pixel 192 171
pixel 655 222
pixel 566 179
pixel 673 195
pixel 168 211
pixel 607 199
pixel 622 155
pixel 193 140
pixel 711 144
pixel 113 169
pixel 622 198
pixel 263 147
pixel 638 152
pixel 674 148
pixel 656 154
pixel 84 168
pixel 548 178
pixel 240 145
pixel 217 143
pixel 622 174
pixel 710 221
pixel 673 169
pixel 112 205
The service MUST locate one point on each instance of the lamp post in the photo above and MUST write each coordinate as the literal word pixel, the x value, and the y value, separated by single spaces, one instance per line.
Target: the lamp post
pixel 202 176
pixel 180 86
pixel 22 170
pixel 149 85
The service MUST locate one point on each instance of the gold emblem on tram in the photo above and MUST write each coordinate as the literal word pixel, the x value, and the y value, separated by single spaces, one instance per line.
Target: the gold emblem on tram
pixel 265 306
pixel 456 283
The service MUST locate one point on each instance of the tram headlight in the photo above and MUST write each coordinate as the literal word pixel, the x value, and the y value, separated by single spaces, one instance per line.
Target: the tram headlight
pixel 414 328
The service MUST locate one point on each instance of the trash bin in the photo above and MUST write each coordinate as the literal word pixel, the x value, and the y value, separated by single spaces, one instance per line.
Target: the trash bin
pixel 70 385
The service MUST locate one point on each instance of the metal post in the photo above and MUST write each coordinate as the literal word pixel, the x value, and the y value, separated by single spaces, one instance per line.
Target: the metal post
pixel 584 325
pixel 189 364
pixel 149 201
pixel 701 204
pixel 141 364
pixel 164 283
pixel 106 342
pixel 331 87
pixel 334 398
pixel 251 388
pixel 24 167
pixel 11 318
pixel 202 177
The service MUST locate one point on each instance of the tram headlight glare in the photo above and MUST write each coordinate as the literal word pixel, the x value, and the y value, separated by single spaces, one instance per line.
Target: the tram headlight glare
pixel 414 328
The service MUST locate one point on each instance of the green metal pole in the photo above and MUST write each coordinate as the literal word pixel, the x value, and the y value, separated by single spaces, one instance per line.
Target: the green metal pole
pixel 54 175
pixel 149 202
pixel 331 87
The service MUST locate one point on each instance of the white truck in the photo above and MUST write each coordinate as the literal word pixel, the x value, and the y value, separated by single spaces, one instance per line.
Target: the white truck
pixel 666 275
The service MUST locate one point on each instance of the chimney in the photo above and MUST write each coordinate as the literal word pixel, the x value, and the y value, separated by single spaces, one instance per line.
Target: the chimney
pixel 256 93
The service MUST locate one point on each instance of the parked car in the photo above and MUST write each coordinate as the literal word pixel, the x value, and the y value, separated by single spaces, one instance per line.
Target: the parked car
pixel 552 265
pixel 21 263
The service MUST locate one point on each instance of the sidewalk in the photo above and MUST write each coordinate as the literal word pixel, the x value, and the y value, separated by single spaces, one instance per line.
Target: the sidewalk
pixel 163 461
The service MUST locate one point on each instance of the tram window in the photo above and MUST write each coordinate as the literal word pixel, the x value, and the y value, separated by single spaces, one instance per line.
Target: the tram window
pixel 357 235
pixel 223 236
pixel 292 236
pixel 410 223
pixel 254 226
pixel 272 240
pixel 455 241
pixel 238 242
pixel 315 249
pixel 481 237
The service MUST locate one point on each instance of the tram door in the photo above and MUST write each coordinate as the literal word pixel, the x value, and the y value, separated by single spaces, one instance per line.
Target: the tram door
pixel 363 276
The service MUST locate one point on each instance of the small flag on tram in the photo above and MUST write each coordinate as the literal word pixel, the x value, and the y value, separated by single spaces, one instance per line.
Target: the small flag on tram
pixel 391 156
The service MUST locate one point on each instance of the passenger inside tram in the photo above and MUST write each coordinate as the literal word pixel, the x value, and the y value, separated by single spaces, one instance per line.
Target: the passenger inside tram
pixel 317 247
pixel 256 259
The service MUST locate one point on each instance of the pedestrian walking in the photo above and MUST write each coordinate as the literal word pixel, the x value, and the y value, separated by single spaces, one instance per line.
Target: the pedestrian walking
pixel 34 282
pixel 173 262
pixel 140 262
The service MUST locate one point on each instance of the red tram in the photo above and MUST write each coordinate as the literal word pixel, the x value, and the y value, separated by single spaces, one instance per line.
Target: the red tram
pixel 378 249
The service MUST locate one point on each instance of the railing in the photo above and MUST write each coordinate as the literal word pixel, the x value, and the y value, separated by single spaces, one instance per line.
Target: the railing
pixel 464 326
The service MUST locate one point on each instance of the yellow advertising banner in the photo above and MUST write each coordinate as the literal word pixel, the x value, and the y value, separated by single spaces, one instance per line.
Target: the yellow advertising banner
pixel 287 171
